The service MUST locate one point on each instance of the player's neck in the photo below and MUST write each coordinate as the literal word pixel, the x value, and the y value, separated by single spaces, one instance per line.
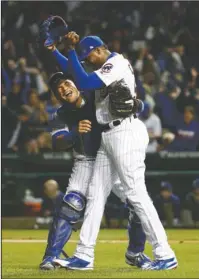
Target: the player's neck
pixel 80 102
pixel 106 56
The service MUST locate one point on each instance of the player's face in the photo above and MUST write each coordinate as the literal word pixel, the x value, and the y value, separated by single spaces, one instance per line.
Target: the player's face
pixel 67 92
pixel 96 58
pixel 166 194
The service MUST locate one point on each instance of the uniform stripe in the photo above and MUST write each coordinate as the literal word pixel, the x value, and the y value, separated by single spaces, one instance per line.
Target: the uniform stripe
pixel 81 176
pixel 123 152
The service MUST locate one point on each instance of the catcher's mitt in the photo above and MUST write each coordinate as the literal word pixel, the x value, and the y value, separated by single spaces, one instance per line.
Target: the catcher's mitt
pixel 121 102
pixel 52 30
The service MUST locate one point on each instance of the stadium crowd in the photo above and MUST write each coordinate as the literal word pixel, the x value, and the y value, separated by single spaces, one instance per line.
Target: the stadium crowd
pixel 173 210
pixel 160 40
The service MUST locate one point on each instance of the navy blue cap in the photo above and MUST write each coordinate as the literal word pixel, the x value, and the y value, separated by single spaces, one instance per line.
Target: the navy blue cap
pixel 196 184
pixel 87 44
pixel 166 185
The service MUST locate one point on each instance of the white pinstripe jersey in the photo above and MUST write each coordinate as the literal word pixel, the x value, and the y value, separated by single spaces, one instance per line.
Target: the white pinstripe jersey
pixel 114 69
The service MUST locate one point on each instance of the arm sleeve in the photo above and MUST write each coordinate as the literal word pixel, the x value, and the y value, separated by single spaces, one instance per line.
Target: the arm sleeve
pixel 63 139
pixel 83 80
pixel 61 60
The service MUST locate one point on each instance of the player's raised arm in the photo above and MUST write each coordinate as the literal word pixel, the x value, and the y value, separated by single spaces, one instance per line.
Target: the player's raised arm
pixel 61 60
pixel 52 30
pixel 92 49
pixel 82 78
pixel 62 138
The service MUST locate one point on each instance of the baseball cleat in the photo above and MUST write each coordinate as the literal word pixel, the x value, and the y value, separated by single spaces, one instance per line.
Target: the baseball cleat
pixel 138 260
pixel 161 265
pixel 47 264
pixel 79 264
pixel 62 262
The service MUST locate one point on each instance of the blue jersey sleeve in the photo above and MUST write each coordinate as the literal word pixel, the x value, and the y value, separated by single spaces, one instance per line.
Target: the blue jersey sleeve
pixel 84 81
pixel 63 138
pixel 62 60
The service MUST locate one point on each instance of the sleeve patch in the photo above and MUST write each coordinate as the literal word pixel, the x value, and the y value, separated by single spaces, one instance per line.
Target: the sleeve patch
pixel 106 68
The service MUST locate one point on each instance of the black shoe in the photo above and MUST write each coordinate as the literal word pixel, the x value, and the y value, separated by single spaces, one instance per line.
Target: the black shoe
pixel 136 259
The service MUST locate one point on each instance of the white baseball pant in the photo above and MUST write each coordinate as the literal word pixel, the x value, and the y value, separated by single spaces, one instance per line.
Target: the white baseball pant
pixel 81 175
pixel 123 151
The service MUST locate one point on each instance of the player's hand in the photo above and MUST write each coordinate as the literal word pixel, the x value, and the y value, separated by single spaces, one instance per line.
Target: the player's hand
pixel 72 39
pixel 51 48
pixel 84 126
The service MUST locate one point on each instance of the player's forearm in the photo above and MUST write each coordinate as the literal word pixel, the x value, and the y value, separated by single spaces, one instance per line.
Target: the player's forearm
pixel 84 81
pixel 61 59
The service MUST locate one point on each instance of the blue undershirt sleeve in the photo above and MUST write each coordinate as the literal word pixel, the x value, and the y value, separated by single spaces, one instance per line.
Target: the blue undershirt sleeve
pixel 84 81
pixel 62 60
pixel 64 137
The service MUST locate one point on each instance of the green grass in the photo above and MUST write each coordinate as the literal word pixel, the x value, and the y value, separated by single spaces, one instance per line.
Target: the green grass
pixel 21 260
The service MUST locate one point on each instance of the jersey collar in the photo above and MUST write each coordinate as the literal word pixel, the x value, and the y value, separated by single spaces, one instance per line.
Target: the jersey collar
pixel 112 55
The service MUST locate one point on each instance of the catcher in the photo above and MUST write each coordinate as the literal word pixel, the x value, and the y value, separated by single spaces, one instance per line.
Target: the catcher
pixel 75 125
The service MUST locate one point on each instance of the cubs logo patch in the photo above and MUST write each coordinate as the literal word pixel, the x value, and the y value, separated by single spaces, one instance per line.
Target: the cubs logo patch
pixel 107 68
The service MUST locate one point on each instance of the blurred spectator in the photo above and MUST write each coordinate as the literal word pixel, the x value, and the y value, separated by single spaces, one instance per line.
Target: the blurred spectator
pixel 153 125
pixel 52 105
pixel 114 207
pixel 32 205
pixel 52 197
pixel 168 205
pixel 192 205
pixel 39 115
pixel 163 49
pixel 187 132
pixel 51 203
pixel 21 83
pixel 190 95
pixel 166 106
pixel 43 143
pixel 9 50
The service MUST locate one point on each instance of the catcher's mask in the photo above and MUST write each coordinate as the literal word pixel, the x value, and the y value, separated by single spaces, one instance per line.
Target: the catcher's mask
pixel 55 80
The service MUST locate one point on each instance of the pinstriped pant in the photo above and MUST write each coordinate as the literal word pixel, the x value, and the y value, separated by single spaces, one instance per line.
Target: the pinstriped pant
pixel 81 175
pixel 122 153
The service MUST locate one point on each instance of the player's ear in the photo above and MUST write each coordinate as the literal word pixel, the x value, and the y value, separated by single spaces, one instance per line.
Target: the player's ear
pixel 98 50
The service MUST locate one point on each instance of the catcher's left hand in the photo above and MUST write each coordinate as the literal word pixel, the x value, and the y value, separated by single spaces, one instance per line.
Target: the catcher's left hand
pixel 52 30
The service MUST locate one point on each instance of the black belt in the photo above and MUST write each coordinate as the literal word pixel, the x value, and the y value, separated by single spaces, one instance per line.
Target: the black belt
pixel 111 125
pixel 106 127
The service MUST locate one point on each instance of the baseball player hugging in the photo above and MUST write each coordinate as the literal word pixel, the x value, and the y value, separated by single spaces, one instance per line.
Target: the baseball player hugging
pixel 75 125
pixel 122 150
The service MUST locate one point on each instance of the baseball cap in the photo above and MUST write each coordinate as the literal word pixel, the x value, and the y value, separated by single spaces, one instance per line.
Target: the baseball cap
pixel 196 184
pixel 87 44
pixel 165 185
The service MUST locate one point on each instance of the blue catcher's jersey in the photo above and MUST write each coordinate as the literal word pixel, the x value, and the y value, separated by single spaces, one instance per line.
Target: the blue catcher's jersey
pixel 85 144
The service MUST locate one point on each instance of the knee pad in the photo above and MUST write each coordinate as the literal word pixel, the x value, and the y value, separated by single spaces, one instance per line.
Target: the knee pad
pixel 73 207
